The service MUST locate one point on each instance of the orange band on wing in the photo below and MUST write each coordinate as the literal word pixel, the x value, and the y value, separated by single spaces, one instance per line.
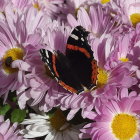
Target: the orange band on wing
pixel 67 87
pixel 76 48
pixel 94 71
pixel 54 65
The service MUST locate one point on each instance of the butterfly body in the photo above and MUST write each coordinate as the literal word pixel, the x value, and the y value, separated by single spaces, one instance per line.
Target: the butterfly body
pixel 77 69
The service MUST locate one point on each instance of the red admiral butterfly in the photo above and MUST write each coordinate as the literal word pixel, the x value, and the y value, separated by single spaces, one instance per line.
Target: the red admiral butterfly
pixel 77 69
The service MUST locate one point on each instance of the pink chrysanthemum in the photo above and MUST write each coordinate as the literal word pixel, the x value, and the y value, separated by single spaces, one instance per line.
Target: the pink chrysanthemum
pixel 115 120
pixel 21 4
pixel 15 36
pixel 134 48
pixel 97 21
pixel 115 52
pixel 71 6
pixel 3 4
pixel 77 4
pixel 8 132
pixel 110 66
pixel 10 51
pixel 51 8
pixel 128 9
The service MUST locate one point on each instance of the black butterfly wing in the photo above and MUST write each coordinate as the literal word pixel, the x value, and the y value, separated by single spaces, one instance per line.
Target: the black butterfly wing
pixel 81 58
pixel 62 71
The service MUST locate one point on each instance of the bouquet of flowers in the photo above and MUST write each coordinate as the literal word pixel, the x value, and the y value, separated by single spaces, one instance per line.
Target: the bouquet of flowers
pixel 69 69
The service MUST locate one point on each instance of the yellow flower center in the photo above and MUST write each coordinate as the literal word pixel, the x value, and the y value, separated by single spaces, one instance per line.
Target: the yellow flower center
pixel 135 18
pixel 124 59
pixel 105 1
pixel 9 57
pixel 58 120
pixel 102 77
pixel 124 126
pixel 36 6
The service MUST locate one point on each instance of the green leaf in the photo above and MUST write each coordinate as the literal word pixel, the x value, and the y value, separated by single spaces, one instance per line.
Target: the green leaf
pixel 18 115
pixel 14 99
pixel 12 96
pixel 4 109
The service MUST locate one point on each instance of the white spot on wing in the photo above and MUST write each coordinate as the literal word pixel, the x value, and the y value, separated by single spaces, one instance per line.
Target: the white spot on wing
pixel 76 29
pixel 49 68
pixel 74 37
pixel 47 61
pixel 47 54
pixel 82 39
pixel 56 79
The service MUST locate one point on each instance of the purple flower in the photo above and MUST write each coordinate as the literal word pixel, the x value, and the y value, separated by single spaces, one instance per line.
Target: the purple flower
pixel 50 7
pixel 72 6
pixel 3 4
pixel 128 10
pixel 9 132
pixel 21 4
pixel 97 21
pixel 15 36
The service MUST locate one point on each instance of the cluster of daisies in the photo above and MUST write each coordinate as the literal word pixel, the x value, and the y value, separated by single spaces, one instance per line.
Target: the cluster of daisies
pixel 32 103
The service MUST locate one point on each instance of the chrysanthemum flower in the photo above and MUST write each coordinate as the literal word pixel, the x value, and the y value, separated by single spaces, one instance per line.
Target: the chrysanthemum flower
pixel 50 7
pixel 107 55
pixel 116 53
pixel 9 132
pixel 111 73
pixel 135 49
pixel 21 4
pixel 129 10
pixel 15 36
pixel 3 4
pixel 75 5
pixel 116 120
pixel 98 20
pixel 72 6
pixel 10 51
pixel 54 127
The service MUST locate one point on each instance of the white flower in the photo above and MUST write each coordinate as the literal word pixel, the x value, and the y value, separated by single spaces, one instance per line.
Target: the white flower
pixel 54 128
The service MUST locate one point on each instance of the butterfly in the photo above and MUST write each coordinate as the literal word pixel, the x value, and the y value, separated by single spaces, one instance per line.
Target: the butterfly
pixel 76 70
